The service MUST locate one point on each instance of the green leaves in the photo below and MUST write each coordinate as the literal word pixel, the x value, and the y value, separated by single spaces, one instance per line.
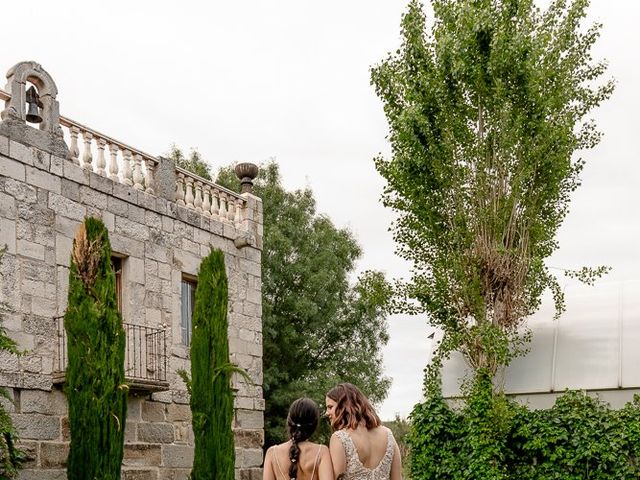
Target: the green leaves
pixel 318 329
pixel 194 163
pixel 485 112
pixel 493 437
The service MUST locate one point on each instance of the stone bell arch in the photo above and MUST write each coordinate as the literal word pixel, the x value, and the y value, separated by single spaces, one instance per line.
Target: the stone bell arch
pixel 48 136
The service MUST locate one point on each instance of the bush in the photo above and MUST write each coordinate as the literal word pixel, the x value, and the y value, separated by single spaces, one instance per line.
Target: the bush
pixel 492 437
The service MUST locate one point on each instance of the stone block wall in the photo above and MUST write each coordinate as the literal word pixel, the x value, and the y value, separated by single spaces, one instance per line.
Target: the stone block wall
pixel 43 199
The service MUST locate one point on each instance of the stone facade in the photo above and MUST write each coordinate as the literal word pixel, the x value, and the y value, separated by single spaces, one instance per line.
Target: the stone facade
pixel 43 199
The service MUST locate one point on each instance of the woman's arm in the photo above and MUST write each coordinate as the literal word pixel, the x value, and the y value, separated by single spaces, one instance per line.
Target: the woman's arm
pixel 267 471
pixel 338 457
pixel 325 468
pixel 396 465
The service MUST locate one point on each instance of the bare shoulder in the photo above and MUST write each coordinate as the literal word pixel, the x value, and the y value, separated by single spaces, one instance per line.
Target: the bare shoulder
pixel 319 446
pixel 272 449
pixel 380 431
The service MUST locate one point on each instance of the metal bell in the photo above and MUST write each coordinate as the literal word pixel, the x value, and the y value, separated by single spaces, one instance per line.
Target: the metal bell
pixel 33 112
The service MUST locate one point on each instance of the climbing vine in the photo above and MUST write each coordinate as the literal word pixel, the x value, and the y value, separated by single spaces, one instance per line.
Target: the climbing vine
pixel 492 437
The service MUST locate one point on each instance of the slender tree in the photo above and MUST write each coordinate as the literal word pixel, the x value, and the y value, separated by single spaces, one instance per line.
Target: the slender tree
pixel 95 383
pixel 485 112
pixel 210 385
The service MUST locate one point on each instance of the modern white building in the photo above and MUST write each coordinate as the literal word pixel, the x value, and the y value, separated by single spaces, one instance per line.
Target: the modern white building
pixel 594 346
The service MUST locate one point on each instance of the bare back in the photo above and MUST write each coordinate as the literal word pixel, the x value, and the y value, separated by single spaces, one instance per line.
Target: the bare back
pixel 314 462
pixel 368 454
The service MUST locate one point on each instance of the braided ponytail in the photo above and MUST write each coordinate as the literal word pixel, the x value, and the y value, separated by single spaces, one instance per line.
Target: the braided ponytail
pixel 301 423
pixel 294 455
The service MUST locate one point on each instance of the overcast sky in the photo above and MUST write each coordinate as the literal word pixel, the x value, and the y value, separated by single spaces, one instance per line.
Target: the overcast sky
pixel 245 81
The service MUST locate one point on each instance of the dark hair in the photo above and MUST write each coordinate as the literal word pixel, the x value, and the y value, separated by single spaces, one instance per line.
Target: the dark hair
pixel 301 423
pixel 352 407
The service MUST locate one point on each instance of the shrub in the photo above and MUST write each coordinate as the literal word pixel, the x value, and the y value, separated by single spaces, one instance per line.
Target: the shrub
pixel 95 383
pixel 493 437
pixel 210 386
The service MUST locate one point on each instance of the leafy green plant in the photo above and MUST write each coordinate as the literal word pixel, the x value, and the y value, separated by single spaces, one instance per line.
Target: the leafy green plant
pixel 493 437
pixel 318 328
pixel 95 382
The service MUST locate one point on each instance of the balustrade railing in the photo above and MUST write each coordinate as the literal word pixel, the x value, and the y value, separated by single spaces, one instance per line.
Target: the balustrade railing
pixel 207 198
pixel 130 166
pixel 145 359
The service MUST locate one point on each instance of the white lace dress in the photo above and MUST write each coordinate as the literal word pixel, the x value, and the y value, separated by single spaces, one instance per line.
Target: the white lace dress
pixel 356 470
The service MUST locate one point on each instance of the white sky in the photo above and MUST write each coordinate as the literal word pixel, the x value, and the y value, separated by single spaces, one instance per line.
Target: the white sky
pixel 245 81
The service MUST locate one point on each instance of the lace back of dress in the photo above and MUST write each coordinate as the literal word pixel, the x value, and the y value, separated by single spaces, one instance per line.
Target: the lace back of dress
pixel 356 470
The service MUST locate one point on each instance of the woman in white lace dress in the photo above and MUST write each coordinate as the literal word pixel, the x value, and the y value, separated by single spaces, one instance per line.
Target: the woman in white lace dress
pixel 361 448
pixel 299 458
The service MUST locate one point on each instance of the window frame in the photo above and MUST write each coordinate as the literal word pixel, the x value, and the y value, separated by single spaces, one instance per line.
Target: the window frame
pixel 117 263
pixel 186 309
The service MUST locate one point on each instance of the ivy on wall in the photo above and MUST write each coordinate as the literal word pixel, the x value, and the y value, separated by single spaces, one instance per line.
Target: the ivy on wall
pixel 492 437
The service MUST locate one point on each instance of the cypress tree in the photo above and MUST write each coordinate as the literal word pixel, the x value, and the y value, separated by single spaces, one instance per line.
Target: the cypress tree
pixel 211 395
pixel 95 384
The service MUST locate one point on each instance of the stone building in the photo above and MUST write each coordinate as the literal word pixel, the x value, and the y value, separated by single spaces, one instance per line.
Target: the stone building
pixel 162 221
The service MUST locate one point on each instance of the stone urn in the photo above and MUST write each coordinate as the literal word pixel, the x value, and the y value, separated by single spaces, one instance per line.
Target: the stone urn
pixel 246 172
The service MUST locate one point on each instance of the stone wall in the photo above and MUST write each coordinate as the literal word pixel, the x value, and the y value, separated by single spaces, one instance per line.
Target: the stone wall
pixel 43 199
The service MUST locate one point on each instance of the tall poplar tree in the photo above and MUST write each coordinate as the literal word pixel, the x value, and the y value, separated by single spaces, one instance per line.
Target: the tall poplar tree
pixel 95 382
pixel 486 111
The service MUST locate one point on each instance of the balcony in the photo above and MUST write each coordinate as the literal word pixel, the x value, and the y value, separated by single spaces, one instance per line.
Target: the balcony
pixel 145 358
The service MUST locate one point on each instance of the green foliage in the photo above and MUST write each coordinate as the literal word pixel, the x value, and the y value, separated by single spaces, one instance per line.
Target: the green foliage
pixel 95 382
pixel 401 428
pixel 485 113
pixel 11 457
pixel 493 437
pixel 318 329
pixel 210 386
pixel 194 163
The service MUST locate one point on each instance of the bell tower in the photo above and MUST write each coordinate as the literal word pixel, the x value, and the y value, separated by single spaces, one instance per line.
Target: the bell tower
pixel 36 105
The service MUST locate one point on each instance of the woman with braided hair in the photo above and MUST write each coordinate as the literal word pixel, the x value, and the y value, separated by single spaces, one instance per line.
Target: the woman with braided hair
pixel 361 448
pixel 299 458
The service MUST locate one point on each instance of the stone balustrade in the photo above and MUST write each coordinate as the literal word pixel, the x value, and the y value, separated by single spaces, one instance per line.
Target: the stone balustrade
pixel 208 198
pixel 108 157
pixel 130 166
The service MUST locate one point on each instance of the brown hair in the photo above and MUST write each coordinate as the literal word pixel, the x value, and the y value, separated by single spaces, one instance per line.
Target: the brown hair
pixel 352 407
pixel 301 423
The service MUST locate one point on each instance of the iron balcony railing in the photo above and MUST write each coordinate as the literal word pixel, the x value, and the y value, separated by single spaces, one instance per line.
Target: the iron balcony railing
pixel 145 359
